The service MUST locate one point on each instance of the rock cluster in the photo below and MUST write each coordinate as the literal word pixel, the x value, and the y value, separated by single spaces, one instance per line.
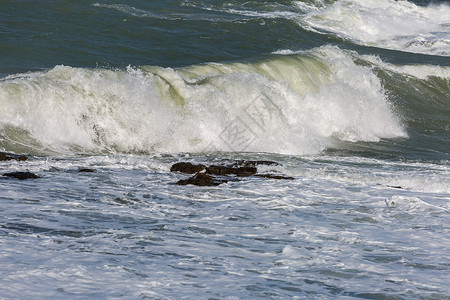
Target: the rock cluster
pixel 188 168
pixel 217 174
pixel 6 156
pixel 202 175
pixel 202 179
pixel 10 156
pixel 21 175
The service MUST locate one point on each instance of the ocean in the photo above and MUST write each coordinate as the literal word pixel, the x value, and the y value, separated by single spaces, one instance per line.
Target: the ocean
pixel 345 104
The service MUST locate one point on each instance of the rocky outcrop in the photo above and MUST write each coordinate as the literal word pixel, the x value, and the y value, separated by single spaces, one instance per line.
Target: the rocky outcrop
pixel 202 179
pixel 215 175
pixel 188 168
pixel 224 170
pixel 6 156
pixel 21 175
pixel 10 156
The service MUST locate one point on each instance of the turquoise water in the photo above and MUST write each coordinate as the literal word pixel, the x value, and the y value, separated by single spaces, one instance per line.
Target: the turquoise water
pixel 350 97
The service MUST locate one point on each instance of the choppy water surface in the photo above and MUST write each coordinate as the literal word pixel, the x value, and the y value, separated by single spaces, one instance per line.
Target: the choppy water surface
pixel 351 98
pixel 341 228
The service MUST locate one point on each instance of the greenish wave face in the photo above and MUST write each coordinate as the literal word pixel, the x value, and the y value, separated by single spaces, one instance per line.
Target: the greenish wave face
pixel 295 104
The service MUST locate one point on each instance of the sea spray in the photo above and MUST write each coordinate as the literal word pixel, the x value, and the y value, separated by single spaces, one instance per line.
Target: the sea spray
pixel 293 104
pixel 399 25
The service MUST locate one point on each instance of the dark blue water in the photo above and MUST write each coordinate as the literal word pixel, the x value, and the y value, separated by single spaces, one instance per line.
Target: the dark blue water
pixel 41 34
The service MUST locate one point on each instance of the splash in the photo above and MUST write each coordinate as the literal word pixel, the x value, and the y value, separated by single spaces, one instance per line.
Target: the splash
pixel 296 104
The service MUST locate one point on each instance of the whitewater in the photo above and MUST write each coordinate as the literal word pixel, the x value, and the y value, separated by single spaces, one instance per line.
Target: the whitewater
pixel 345 104
pixel 166 110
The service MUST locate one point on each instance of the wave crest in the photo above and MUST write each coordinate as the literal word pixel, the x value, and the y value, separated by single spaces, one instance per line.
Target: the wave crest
pixel 296 104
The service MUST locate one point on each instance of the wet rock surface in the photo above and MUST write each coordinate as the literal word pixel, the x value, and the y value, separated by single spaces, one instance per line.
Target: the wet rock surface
pixel 202 179
pixel 224 170
pixel 186 167
pixel 10 156
pixel 202 175
pixel 215 175
pixel 86 170
pixel 21 175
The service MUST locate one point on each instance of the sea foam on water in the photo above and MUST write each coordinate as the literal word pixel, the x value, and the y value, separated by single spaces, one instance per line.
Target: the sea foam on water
pixel 399 25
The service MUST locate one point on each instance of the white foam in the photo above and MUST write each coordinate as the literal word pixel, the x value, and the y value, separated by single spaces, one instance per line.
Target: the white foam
pixel 420 71
pixel 411 205
pixel 296 104
pixel 284 52
pixel 399 25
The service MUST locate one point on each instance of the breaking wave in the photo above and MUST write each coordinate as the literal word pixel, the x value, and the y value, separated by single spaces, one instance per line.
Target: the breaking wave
pixel 297 104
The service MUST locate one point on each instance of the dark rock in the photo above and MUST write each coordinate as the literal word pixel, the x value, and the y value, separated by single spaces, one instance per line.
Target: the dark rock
pixel 188 168
pixel 273 176
pixel 11 156
pixel 202 179
pixel 245 171
pixel 21 175
pixel 223 171
pixel 217 174
pixel 86 170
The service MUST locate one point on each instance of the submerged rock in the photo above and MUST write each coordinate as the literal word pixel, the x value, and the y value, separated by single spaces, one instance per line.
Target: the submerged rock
pixel 10 156
pixel 86 170
pixel 21 175
pixel 202 179
pixel 188 168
